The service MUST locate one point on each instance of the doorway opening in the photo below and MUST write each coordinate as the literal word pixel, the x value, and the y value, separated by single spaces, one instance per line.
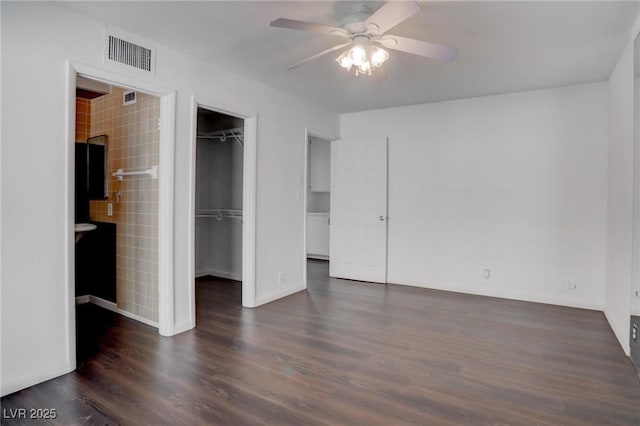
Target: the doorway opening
pixel 219 173
pixel 116 199
pixel 357 205
pixel 318 206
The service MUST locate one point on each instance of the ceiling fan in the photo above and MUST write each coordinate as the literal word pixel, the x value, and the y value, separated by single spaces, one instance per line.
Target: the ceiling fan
pixel 365 37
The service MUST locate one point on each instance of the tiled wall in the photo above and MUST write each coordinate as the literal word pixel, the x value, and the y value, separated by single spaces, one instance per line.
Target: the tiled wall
pixel 83 117
pixel 134 143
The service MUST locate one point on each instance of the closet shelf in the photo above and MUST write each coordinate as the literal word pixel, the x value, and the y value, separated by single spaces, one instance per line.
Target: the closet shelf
pixel 236 134
pixel 220 214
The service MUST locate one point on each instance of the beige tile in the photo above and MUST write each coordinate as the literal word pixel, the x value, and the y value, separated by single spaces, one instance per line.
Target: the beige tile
pixel 133 143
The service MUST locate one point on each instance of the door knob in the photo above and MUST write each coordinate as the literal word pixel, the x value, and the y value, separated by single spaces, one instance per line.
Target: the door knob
pixel 381 218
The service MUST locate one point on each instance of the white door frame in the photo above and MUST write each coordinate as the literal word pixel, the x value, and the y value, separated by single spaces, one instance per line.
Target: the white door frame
pixel 308 133
pixel 166 193
pixel 249 191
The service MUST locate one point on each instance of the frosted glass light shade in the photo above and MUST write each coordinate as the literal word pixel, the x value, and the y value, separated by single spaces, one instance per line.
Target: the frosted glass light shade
pixel 379 56
pixel 358 55
pixel 364 56
pixel 344 61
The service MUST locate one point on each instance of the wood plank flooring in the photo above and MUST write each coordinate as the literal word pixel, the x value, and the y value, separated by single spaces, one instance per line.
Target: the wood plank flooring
pixel 347 352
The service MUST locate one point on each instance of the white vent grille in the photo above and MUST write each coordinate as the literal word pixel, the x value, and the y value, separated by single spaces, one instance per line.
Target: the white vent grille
pixel 128 53
pixel 129 97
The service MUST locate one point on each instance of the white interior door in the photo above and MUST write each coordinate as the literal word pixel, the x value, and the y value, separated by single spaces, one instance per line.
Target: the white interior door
pixel 358 240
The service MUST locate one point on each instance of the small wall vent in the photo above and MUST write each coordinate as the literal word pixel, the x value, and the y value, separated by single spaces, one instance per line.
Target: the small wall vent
pixel 128 53
pixel 129 97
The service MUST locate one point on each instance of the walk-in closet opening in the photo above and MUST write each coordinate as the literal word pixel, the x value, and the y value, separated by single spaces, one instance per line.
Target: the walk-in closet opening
pixel 218 208
pixel 117 155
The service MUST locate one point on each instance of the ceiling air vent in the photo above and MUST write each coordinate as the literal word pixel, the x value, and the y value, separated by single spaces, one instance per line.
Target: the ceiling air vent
pixel 128 53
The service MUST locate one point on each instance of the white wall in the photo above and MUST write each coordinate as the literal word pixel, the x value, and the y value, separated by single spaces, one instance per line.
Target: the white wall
pixel 515 183
pixel 620 197
pixel 37 39
pixel 635 252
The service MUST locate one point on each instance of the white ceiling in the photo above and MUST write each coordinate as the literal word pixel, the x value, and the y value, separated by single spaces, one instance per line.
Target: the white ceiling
pixel 504 46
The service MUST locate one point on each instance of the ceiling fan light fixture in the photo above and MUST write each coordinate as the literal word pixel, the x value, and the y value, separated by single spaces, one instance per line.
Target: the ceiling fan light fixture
pixel 344 61
pixel 379 56
pixel 357 55
pixel 364 68
pixel 365 34
pixel 364 56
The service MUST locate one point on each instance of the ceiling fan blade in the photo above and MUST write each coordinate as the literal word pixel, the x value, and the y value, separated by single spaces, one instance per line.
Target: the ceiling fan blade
pixel 420 48
pixel 317 55
pixel 292 24
pixel 391 14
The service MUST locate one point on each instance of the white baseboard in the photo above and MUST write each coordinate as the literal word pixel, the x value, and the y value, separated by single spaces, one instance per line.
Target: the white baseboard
pixel 11 386
pixel 114 308
pixel 81 300
pixel 280 294
pixel 581 304
pixel 236 276
pixel 184 326
pixel 103 303
pixel 622 339
pixel 138 318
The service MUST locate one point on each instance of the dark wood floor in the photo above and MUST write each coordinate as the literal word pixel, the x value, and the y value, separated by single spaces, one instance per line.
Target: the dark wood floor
pixel 349 353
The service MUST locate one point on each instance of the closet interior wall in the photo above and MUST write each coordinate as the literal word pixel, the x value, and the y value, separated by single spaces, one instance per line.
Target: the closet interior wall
pixel 219 167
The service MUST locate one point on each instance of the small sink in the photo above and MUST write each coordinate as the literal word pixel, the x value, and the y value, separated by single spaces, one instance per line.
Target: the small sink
pixel 83 228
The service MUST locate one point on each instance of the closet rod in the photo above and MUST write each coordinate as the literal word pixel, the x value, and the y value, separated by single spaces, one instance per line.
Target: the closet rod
pixel 220 214
pixel 237 134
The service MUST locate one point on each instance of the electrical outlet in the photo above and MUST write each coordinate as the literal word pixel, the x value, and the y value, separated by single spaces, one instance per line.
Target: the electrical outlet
pixel 109 209
pixel 487 275
pixel 281 278
pixel 572 286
